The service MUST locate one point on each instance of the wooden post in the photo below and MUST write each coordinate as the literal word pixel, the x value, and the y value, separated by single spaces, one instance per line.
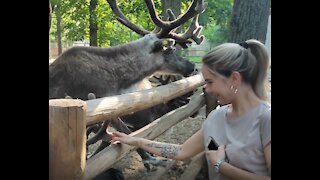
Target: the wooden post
pixel 67 139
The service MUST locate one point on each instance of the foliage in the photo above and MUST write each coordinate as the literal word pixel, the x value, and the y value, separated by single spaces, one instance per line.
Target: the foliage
pixel 75 20
pixel 216 23
pixel 195 59
pixel 215 34
pixel 136 12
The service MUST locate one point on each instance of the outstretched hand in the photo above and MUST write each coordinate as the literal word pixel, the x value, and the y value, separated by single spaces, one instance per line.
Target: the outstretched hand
pixel 124 138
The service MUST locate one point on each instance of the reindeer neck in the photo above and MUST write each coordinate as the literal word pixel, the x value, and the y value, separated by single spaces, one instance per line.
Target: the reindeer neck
pixel 134 61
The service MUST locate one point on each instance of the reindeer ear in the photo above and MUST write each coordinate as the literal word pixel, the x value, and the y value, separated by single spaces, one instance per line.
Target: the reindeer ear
pixel 157 46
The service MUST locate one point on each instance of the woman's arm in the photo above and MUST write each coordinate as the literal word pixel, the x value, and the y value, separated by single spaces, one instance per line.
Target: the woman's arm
pixel 189 148
pixel 267 154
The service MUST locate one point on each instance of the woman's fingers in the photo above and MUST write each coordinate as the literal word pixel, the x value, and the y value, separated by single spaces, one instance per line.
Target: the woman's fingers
pixel 115 137
pixel 120 137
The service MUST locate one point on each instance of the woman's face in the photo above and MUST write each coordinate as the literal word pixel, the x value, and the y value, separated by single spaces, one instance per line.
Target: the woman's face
pixel 217 86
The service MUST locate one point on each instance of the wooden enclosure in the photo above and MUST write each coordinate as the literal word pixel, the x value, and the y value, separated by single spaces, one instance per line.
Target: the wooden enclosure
pixel 68 118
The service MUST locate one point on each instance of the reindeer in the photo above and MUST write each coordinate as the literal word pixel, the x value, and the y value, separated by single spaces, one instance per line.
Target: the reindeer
pixel 109 71
pixel 79 71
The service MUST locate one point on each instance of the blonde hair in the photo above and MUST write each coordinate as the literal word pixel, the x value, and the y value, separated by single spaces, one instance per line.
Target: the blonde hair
pixel 250 59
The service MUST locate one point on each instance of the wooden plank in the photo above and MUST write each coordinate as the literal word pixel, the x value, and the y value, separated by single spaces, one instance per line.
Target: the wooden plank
pixel 67 139
pixel 110 155
pixel 115 106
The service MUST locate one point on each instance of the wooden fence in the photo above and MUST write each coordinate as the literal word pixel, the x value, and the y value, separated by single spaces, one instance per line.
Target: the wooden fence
pixel 69 117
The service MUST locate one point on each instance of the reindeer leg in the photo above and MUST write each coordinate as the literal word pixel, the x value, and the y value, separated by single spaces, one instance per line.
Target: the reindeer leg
pixel 103 145
pixel 148 161
pixel 93 128
pixel 100 135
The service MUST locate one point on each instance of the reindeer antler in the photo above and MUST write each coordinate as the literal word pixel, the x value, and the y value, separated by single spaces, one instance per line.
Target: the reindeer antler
pixel 193 32
pixel 166 29
pixel 121 18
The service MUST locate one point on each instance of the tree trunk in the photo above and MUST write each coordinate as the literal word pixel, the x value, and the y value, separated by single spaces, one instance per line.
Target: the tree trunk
pixel 50 10
pixel 59 29
pixel 93 23
pixel 249 20
pixel 174 5
pixel 49 16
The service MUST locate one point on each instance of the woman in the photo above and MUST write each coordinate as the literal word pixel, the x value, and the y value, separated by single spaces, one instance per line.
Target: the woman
pixel 236 74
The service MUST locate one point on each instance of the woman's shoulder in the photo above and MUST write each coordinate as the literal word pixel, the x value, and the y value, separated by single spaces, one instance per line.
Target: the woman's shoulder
pixel 216 116
pixel 265 110
pixel 266 104
pixel 218 110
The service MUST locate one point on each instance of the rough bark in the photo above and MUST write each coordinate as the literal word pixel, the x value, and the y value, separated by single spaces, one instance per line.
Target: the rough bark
pixel 249 20
pixel 93 23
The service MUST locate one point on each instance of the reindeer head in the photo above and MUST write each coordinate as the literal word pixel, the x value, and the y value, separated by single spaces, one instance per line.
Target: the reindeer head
pixel 163 38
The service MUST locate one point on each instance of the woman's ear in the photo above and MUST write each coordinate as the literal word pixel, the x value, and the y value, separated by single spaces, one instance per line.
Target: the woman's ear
pixel 236 77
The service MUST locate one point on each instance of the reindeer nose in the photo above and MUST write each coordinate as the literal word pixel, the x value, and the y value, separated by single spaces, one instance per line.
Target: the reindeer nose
pixel 195 71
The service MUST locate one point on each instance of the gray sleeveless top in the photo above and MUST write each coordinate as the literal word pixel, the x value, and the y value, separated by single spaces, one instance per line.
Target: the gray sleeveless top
pixel 245 138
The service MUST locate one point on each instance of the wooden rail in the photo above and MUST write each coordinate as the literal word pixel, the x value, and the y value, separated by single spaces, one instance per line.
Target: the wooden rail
pixel 115 106
pixel 110 155
pixel 68 119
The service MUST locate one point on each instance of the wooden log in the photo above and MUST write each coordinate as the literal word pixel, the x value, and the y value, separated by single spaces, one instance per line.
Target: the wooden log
pixel 115 106
pixel 110 155
pixel 194 167
pixel 67 139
